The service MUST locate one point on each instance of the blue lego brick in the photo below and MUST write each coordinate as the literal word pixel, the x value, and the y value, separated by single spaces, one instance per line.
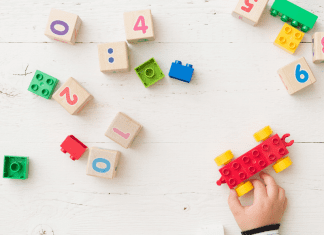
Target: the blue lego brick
pixel 181 72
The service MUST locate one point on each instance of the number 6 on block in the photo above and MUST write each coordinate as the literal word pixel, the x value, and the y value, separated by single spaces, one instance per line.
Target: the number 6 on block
pixel 139 26
pixel 72 96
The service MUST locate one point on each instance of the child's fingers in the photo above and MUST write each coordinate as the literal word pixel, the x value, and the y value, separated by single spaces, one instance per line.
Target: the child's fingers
pixel 282 194
pixel 285 204
pixel 259 190
pixel 271 185
pixel 234 203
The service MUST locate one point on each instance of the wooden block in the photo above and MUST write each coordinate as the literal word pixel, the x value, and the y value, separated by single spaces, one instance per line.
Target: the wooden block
pixel 318 48
pixel 102 163
pixel 113 57
pixel 72 96
pixel 63 26
pixel 139 26
pixel 123 130
pixel 296 76
pixel 250 11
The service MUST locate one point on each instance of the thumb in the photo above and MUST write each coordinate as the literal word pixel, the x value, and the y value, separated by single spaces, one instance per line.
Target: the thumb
pixel 234 203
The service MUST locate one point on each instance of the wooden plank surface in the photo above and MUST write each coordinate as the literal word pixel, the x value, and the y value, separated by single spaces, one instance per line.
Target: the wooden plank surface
pixel 165 182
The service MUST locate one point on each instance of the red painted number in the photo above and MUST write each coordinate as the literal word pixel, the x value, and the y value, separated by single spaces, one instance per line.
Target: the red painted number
pixel 249 6
pixel 137 26
pixel 66 91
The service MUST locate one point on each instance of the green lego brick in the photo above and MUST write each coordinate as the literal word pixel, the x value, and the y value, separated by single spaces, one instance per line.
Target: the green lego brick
pixel 15 167
pixel 43 84
pixel 298 16
pixel 149 72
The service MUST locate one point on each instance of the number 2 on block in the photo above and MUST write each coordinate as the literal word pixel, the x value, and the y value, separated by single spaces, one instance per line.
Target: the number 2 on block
pixel 141 27
pixel 299 73
pixel 249 6
pixel 66 91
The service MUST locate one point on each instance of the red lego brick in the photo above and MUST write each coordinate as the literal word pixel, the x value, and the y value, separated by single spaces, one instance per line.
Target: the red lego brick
pixel 255 160
pixel 74 147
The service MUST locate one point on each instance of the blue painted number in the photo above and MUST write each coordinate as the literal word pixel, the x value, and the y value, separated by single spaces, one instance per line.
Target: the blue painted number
pixel 101 170
pixel 301 75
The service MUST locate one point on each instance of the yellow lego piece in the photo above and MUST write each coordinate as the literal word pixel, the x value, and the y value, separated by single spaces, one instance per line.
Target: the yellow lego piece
pixel 263 134
pixel 224 158
pixel 289 38
pixel 282 164
pixel 244 188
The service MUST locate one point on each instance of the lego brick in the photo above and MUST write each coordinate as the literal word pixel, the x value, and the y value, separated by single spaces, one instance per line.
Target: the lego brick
pixel 102 163
pixel 123 130
pixel 297 16
pixel 15 167
pixel 289 38
pixel 296 75
pixel 139 26
pixel 72 96
pixel 113 57
pixel 63 26
pixel 250 11
pixel 181 72
pixel 42 84
pixel 318 47
pixel 255 160
pixel 149 72
pixel 74 147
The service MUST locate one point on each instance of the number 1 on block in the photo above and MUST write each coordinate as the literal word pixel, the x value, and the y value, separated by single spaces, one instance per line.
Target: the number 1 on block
pixel 142 27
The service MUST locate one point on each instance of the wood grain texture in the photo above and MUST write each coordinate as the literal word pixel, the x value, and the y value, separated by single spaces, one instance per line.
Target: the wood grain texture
pixel 166 182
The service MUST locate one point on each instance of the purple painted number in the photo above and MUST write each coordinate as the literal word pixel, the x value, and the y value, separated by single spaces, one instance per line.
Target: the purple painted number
pixel 65 25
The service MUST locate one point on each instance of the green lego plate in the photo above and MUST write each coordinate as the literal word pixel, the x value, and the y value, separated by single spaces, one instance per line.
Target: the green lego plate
pixel 43 84
pixel 15 167
pixel 149 72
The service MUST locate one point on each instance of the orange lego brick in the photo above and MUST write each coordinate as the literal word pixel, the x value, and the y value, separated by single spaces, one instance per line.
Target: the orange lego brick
pixel 289 38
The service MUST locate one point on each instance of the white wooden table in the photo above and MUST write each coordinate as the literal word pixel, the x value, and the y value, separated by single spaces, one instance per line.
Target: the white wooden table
pixel 166 182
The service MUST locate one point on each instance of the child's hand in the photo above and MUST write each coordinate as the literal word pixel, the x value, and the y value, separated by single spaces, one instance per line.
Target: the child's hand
pixel 268 206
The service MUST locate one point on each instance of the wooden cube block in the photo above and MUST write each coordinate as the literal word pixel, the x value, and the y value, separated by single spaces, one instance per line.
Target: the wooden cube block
pixel 318 48
pixel 250 11
pixel 63 26
pixel 113 57
pixel 72 96
pixel 296 76
pixel 139 26
pixel 102 163
pixel 123 130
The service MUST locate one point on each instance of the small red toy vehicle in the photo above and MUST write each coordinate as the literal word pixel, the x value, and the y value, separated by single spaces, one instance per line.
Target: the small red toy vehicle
pixel 74 147
pixel 271 150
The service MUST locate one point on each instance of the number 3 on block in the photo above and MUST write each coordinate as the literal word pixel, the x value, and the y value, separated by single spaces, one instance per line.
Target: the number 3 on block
pixel 66 91
pixel 301 75
pixel 143 27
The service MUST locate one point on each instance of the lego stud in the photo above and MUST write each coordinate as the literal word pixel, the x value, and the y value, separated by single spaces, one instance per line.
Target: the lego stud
pixel 242 176
pixel 298 35
pixel 232 181
pixel 282 151
pixel 15 166
pixel 265 147
pixel 226 172
pixel 275 141
pixel 282 39
pixel 39 77
pixel 292 45
pixel 149 72
pixel 189 65
pixel 34 87
pixel 272 157
pixel 252 169
pixel 284 18
pixel 178 62
pixel 288 30
pixel 45 92
pixel 305 29
pixel 246 159
pixel 236 166
pixel 262 163
pixel 274 13
pixel 294 23
pixel 50 81
pixel 255 153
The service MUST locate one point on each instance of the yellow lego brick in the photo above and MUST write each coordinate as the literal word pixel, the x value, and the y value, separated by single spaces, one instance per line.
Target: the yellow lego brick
pixel 289 38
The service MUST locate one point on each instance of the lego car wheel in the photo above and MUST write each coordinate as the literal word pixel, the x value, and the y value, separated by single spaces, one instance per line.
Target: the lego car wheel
pixel 263 134
pixel 282 164
pixel 244 188
pixel 224 158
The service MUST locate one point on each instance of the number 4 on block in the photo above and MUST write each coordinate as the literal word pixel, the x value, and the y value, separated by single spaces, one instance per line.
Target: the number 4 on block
pixel 139 26
pixel 296 76
pixel 72 96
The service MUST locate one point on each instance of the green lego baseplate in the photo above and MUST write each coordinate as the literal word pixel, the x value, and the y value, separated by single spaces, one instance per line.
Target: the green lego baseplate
pixel 43 84
pixel 15 167
pixel 299 17
pixel 149 72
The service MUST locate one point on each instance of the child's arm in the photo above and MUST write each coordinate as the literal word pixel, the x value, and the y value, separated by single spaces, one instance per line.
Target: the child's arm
pixel 267 210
